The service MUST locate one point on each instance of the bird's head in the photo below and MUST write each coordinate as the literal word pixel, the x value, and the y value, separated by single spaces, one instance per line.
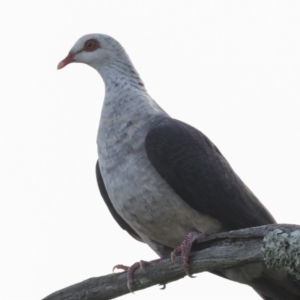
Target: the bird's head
pixel 94 50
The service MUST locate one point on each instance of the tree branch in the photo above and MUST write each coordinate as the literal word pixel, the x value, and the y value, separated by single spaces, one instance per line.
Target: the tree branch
pixel 216 252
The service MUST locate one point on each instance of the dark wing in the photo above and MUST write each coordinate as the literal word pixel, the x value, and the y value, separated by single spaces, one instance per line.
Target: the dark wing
pixel 112 210
pixel 197 171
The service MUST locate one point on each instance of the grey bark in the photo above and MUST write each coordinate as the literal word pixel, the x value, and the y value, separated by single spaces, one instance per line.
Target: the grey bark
pixel 216 252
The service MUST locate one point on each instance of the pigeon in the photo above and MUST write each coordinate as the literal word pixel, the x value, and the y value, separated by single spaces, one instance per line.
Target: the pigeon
pixel 164 181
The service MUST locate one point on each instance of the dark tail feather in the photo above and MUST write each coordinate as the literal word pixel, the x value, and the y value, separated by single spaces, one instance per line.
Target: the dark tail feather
pixel 287 288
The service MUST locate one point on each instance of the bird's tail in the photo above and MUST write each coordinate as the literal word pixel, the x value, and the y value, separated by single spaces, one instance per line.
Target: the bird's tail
pixel 287 288
pixel 269 284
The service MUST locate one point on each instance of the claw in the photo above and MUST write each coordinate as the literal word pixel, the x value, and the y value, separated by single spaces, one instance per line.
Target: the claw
pixel 120 267
pixel 185 248
pixel 129 286
pixel 130 270
pixel 163 286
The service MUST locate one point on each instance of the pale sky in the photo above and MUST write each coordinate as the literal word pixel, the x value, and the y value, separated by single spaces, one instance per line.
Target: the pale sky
pixel 229 68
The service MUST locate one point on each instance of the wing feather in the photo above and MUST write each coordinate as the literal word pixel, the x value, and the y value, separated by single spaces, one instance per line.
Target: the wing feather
pixel 197 171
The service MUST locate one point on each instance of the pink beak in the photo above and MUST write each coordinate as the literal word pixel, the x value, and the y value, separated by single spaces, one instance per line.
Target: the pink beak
pixel 66 61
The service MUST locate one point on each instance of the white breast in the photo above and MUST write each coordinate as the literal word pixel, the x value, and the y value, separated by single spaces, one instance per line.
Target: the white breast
pixel 139 194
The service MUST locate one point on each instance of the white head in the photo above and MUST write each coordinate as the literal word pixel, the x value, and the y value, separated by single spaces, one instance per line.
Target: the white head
pixel 94 50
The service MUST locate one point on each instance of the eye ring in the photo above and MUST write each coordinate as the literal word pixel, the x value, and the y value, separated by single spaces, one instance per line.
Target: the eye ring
pixel 91 45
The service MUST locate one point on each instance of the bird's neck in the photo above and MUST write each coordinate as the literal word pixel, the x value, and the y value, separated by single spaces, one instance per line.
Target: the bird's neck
pixel 120 74
pixel 127 106
pixel 125 93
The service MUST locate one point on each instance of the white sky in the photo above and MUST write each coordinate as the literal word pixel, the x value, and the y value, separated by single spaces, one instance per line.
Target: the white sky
pixel 229 68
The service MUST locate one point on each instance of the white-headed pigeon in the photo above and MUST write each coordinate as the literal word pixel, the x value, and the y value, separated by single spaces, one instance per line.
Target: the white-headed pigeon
pixel 164 181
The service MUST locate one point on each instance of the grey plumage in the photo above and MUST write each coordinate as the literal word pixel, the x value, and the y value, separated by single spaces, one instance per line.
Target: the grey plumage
pixel 162 178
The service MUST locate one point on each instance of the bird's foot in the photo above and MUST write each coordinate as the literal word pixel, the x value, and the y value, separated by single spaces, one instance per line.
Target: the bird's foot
pixel 130 270
pixel 185 248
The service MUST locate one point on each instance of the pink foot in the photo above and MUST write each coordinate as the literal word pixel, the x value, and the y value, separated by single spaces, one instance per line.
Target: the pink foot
pixel 185 248
pixel 130 270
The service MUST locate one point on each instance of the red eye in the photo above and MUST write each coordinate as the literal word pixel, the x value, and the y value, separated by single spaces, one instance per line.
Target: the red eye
pixel 91 45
